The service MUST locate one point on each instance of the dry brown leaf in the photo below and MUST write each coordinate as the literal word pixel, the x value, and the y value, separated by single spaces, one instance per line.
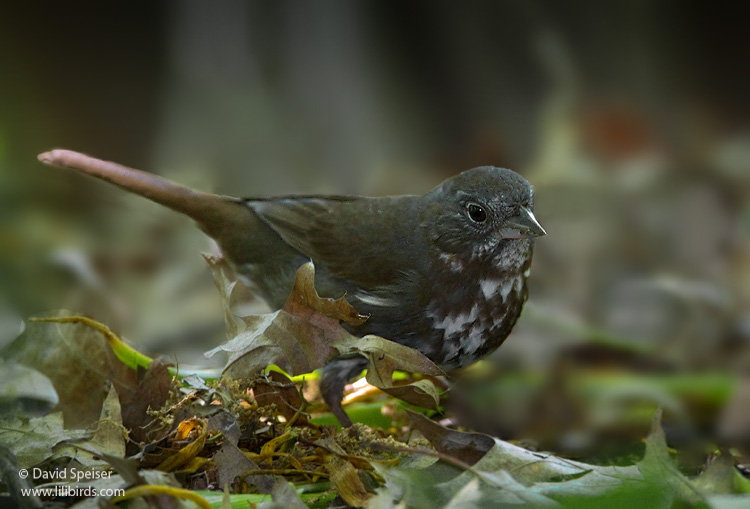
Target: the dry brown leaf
pixel 108 439
pixel 466 447
pixel 232 464
pixel 304 296
pixel 78 363
pixel 346 481
pixel 154 387
pixel 306 334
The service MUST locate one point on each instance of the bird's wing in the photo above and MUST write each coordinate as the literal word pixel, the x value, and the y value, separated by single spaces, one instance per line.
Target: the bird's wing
pixel 360 240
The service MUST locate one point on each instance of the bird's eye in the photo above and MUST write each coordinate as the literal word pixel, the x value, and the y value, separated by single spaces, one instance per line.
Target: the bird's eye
pixel 476 212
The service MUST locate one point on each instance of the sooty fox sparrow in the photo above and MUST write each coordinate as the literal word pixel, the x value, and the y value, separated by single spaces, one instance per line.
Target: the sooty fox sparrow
pixel 444 273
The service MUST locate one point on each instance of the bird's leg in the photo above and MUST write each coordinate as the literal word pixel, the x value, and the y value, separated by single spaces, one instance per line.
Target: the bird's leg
pixel 336 374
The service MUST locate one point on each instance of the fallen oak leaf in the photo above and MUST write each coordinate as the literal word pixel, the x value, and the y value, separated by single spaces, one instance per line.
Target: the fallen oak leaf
pixel 128 355
pixel 153 391
pixel 75 360
pixel 658 468
pixel 297 338
pixel 489 455
pixel 277 338
pixel 32 441
pixel 306 333
pixel 510 474
pixel 108 438
pixel 385 357
pixel 465 446
pixel 304 296
pixel 233 464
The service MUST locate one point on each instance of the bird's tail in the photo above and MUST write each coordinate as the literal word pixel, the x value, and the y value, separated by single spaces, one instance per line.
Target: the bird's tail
pixel 223 218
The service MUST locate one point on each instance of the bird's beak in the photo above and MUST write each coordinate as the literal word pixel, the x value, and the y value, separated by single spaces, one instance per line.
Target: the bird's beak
pixel 522 226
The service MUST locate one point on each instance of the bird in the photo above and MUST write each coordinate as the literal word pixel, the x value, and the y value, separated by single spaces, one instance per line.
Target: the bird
pixel 444 272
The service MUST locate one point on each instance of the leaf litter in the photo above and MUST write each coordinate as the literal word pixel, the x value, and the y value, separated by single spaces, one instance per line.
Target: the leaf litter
pixel 253 433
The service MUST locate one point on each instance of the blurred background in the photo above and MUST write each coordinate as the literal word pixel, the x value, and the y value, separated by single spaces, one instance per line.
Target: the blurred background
pixel 631 119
